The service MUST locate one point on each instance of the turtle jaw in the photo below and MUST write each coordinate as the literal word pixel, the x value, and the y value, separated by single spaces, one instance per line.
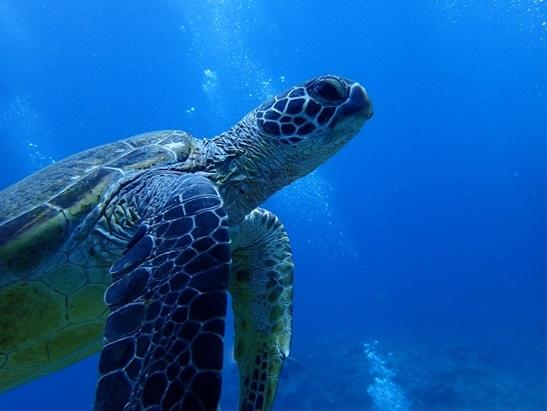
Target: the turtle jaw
pixel 358 104
pixel 348 121
pixel 351 115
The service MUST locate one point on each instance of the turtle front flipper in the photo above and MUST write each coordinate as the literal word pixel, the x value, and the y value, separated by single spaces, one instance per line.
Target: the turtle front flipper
pixel 261 289
pixel 164 337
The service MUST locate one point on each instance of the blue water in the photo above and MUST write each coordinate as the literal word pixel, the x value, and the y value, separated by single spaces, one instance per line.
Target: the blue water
pixel 421 248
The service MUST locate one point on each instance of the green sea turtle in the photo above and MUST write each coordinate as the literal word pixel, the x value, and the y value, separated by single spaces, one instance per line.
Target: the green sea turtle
pixel 133 246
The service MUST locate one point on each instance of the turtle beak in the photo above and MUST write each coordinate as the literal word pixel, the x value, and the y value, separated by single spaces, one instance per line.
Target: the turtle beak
pixel 353 113
pixel 358 103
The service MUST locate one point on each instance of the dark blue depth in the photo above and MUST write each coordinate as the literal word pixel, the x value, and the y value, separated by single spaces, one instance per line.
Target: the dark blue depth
pixel 427 233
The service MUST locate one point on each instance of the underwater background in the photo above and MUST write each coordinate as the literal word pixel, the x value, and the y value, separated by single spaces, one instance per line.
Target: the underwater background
pixel 420 249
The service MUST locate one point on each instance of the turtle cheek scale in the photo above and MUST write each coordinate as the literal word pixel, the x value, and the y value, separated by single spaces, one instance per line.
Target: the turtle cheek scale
pixel 294 118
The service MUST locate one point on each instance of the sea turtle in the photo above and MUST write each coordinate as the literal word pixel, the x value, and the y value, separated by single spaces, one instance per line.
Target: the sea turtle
pixel 132 247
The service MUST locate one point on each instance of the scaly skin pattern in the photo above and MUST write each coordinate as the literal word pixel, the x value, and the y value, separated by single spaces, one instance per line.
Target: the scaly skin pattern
pixel 261 286
pixel 55 258
pixel 164 335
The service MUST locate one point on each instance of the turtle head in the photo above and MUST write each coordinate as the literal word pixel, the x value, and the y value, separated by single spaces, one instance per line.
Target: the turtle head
pixel 311 122
pixel 286 138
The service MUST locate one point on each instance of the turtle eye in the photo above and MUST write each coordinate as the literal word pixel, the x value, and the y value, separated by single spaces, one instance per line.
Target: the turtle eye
pixel 330 89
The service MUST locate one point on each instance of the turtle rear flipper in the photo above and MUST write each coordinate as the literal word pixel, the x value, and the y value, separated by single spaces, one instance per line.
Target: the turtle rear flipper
pixel 261 284
pixel 164 337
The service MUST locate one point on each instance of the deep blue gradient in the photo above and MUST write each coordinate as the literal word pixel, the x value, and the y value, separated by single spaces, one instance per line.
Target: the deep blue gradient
pixel 429 230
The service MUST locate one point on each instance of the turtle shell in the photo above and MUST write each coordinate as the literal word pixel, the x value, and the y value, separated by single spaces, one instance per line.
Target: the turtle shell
pixel 51 302
pixel 38 214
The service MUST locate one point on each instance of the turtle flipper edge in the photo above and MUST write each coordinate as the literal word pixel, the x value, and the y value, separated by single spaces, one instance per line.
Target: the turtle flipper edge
pixel 261 288
pixel 164 336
